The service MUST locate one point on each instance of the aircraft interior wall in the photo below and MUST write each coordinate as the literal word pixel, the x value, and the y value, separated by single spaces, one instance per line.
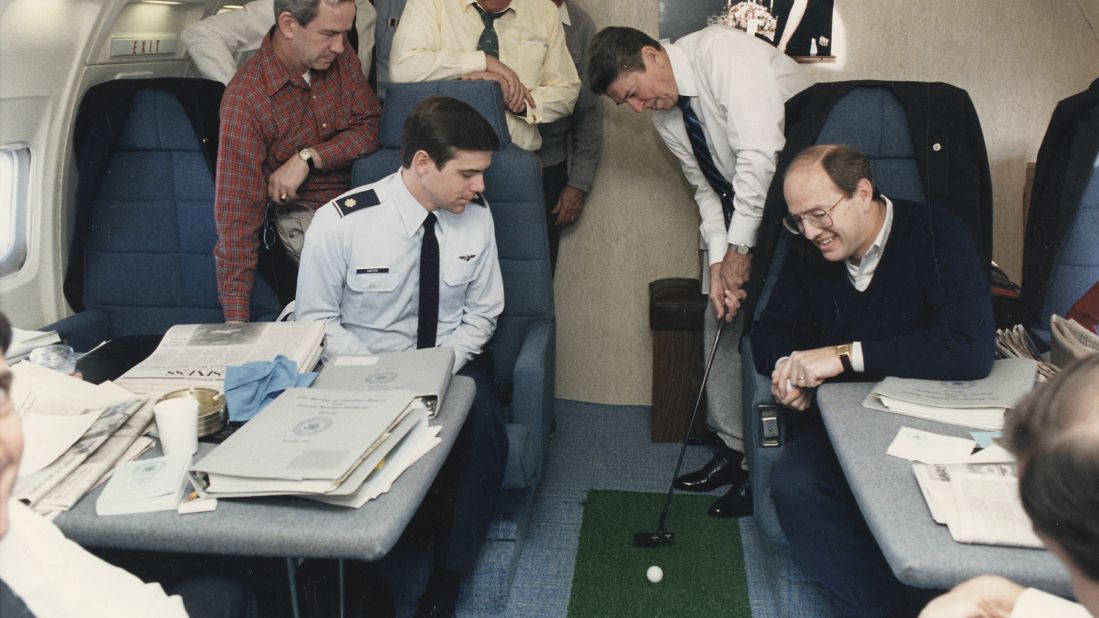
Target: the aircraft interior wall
pixel 1016 59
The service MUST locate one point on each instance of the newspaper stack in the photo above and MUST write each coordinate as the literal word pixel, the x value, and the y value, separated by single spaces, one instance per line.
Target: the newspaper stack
pixel 979 503
pixel 1070 341
pixel 196 355
pixel 310 442
pixel 75 433
pixel 1015 342
pixel 979 404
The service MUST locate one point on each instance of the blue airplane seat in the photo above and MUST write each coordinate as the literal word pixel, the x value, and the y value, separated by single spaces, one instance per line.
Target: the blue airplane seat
pixel 141 258
pixel 523 346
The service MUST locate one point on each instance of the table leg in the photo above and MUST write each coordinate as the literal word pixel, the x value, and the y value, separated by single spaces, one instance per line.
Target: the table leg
pixel 343 595
pixel 292 574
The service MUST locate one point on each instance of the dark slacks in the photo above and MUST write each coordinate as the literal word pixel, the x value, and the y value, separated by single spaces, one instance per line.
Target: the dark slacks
pixel 554 179
pixel 828 533
pixel 280 272
pixel 464 495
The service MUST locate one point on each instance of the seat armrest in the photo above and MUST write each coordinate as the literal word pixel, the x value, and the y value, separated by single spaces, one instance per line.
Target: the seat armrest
pixel 85 330
pixel 760 413
pixel 532 387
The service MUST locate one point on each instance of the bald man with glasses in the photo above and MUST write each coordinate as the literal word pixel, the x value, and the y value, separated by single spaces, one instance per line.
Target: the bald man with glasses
pixel 873 288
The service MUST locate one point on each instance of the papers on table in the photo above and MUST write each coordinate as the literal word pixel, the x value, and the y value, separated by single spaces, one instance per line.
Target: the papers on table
pixel 976 403
pixel 310 441
pixel 974 494
pixel 1015 342
pixel 23 341
pixel 75 432
pixel 425 372
pixel 1070 342
pixel 144 486
pixel 197 354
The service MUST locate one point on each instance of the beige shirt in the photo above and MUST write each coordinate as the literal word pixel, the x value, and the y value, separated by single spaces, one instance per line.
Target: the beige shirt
pixel 437 39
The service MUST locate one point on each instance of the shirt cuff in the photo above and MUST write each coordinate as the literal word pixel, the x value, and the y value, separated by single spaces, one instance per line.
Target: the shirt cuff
pixel 1034 603
pixel 742 230
pixel 534 112
pixel 856 357
pixel 716 246
pixel 472 62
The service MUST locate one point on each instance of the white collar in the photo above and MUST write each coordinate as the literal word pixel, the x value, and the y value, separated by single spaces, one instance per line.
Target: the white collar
pixel 883 233
pixel 563 11
pixel 684 75
pixel 411 211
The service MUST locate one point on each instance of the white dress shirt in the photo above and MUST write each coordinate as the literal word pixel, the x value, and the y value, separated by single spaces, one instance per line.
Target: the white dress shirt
pixel 360 274
pixel 215 43
pixel 437 39
pixel 56 578
pixel 738 87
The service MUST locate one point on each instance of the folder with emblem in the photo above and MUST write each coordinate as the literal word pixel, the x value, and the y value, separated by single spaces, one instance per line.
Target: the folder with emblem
pixel 424 372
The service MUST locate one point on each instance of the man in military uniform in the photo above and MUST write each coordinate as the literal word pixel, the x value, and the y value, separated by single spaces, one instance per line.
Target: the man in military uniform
pixel 410 262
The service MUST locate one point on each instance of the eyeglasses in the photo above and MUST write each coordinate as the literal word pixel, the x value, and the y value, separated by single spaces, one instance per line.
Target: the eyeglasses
pixel 820 219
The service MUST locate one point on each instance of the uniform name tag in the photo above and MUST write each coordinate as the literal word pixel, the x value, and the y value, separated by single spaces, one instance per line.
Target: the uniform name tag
pixel 370 271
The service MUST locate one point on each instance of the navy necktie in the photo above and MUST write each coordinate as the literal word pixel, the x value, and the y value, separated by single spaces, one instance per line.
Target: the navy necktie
pixel 488 42
pixel 429 286
pixel 697 136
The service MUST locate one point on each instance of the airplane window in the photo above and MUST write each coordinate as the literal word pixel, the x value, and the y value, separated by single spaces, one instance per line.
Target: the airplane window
pixel 14 178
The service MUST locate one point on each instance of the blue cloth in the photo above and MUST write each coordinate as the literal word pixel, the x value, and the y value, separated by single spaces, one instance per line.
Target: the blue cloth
pixel 251 386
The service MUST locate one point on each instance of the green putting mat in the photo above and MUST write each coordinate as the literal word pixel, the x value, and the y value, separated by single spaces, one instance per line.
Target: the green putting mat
pixel 703 567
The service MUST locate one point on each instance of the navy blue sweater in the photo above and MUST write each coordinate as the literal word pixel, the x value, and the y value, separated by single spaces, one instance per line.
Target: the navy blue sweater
pixel 926 314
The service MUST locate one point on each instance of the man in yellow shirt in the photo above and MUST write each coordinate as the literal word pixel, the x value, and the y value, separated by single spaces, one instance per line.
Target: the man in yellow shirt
pixel 519 44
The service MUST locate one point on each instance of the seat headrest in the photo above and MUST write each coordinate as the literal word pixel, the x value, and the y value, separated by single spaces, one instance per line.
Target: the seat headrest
pixel 483 96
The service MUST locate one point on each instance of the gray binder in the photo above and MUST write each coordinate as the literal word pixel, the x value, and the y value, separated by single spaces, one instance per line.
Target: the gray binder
pixel 425 372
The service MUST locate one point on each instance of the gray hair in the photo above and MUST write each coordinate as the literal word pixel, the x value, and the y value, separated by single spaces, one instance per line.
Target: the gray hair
pixel 303 11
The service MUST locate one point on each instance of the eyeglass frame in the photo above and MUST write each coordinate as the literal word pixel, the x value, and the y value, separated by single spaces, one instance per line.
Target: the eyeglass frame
pixel 798 228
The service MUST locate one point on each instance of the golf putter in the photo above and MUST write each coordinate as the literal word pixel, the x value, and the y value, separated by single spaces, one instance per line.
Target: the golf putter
pixel 662 536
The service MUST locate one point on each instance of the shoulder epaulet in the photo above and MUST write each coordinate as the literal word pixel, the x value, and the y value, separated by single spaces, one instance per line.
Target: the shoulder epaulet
pixel 355 202
pixel 479 199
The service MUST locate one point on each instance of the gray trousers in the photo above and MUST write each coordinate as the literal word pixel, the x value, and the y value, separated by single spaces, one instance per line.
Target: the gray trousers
pixel 723 413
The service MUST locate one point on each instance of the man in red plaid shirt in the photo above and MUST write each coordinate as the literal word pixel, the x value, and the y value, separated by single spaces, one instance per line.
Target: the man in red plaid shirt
pixel 293 119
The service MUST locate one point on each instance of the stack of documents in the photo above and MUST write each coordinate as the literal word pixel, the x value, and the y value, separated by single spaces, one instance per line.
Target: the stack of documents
pixel 1015 342
pixel 976 403
pixel 145 486
pixel 23 341
pixel 424 372
pixel 74 432
pixel 1070 341
pixel 197 354
pixel 310 442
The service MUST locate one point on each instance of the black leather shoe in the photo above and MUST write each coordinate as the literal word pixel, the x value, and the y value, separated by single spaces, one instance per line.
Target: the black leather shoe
pixel 737 502
pixel 723 469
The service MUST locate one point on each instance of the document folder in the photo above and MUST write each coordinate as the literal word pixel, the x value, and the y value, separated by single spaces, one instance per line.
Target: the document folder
pixel 424 372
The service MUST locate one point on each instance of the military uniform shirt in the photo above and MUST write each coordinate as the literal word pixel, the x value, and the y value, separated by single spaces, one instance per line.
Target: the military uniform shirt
pixel 360 273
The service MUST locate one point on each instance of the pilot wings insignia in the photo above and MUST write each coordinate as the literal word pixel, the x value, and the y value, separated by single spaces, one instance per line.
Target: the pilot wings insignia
pixel 466 258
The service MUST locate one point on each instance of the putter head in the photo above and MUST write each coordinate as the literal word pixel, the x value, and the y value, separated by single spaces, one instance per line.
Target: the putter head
pixel 659 538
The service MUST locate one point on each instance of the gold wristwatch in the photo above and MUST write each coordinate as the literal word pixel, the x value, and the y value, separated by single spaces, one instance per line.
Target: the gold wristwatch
pixel 309 156
pixel 844 353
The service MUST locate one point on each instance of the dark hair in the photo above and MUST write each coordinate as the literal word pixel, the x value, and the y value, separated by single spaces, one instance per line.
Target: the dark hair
pixel 440 126
pixel 304 11
pixel 845 165
pixel 615 50
pixel 1054 434
pixel 5 333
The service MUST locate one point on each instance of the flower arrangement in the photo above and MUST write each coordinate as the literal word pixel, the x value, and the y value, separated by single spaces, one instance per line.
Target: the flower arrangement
pixel 749 15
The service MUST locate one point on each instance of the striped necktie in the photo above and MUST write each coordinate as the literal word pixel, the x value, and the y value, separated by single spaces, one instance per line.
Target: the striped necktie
pixel 489 42
pixel 697 136
pixel 428 314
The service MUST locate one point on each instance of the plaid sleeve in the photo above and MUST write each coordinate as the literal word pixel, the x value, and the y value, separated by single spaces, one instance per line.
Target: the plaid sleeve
pixel 238 203
pixel 361 136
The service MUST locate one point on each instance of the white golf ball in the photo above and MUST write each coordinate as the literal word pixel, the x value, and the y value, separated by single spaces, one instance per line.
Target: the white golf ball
pixel 655 574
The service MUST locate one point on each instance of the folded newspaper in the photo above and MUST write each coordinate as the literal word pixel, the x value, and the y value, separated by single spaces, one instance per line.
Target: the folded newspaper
pixel 197 354
pixel 1070 342
pixel 973 403
pixel 979 503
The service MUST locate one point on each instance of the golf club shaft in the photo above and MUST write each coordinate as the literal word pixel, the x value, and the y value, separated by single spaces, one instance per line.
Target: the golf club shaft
pixel 690 424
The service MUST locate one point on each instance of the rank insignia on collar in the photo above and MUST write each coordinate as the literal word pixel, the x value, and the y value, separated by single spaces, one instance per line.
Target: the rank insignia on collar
pixel 479 199
pixel 466 258
pixel 355 202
